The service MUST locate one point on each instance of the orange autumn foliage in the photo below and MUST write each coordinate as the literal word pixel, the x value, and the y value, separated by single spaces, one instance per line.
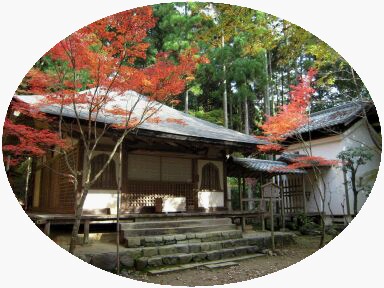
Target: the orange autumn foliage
pixel 107 51
pixel 288 120
pixel 290 116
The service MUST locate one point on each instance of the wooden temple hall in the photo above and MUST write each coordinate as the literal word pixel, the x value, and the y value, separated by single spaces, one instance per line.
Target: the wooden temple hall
pixel 166 169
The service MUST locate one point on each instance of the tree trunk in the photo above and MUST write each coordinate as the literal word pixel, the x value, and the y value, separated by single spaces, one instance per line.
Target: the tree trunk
pixel 78 215
pixel 355 191
pixel 267 104
pixel 29 167
pixel 240 113
pixel 225 105
pixel 322 235
pixel 119 189
pixel 246 116
pixel 186 107
pixel 346 194
pixel 282 87
pixel 231 111
pixel 272 97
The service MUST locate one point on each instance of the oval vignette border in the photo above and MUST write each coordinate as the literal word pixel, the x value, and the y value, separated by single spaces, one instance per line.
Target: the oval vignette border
pixel 23 261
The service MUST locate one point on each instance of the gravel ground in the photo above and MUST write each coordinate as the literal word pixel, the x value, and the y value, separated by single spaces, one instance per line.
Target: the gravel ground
pixel 248 269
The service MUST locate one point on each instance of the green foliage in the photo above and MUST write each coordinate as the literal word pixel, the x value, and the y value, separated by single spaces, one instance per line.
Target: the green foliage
pixel 352 158
pixel 248 36
pixel 214 116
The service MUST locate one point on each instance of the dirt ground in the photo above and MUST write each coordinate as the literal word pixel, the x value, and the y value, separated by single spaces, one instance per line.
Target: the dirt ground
pixel 248 269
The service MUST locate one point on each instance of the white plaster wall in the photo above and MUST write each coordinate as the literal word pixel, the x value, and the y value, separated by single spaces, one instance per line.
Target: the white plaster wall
pixel 174 204
pixel 102 198
pixel 328 148
pixel 207 199
pixel 98 199
pixel 332 189
pixel 358 135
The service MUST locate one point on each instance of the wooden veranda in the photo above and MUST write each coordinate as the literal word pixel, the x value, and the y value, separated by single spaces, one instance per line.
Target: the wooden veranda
pixel 45 220
pixel 290 185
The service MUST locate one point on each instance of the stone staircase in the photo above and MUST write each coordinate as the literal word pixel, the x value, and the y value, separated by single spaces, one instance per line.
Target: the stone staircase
pixel 155 243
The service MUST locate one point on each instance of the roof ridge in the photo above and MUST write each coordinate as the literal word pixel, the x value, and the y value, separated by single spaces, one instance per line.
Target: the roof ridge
pixel 358 102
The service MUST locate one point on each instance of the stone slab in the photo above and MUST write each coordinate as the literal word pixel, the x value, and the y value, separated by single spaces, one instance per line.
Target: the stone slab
pixel 221 265
pixel 194 265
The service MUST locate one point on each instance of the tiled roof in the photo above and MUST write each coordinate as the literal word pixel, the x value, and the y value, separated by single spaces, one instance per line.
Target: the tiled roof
pixel 290 157
pixel 194 128
pixel 264 166
pixel 343 114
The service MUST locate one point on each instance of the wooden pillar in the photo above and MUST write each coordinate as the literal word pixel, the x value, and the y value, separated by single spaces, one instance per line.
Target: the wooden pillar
pixel 86 232
pixel 304 197
pixel 195 188
pixel 272 223
pixel 263 204
pixel 242 223
pixel 47 228
pixel 240 196
pixel 282 202
pixel 243 193
pixel 227 190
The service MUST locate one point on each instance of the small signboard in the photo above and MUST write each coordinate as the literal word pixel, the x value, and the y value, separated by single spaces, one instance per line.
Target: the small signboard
pixel 270 190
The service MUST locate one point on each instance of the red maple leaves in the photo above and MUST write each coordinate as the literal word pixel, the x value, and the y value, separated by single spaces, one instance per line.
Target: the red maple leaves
pixel 291 116
pixel 106 52
pixel 287 122
pixel 22 141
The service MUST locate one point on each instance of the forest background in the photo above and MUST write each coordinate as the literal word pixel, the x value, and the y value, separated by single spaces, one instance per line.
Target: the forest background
pixel 253 60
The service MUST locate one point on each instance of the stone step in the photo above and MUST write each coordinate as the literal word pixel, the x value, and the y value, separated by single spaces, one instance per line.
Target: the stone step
pixel 176 230
pixel 160 240
pixel 143 263
pixel 176 268
pixel 129 258
pixel 175 223
pixel 193 247
pixel 221 265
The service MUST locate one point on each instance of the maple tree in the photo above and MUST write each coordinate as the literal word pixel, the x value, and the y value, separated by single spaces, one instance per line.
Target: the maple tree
pixel 106 52
pixel 20 140
pixel 287 123
pixel 291 116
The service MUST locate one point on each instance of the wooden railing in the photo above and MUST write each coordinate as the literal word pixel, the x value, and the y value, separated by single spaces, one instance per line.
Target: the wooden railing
pixel 264 207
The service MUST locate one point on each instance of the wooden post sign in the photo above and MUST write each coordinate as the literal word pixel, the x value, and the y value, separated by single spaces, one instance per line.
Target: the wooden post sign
pixel 270 190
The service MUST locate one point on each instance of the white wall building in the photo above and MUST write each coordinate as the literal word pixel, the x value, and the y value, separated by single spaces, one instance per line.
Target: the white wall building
pixel 328 133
